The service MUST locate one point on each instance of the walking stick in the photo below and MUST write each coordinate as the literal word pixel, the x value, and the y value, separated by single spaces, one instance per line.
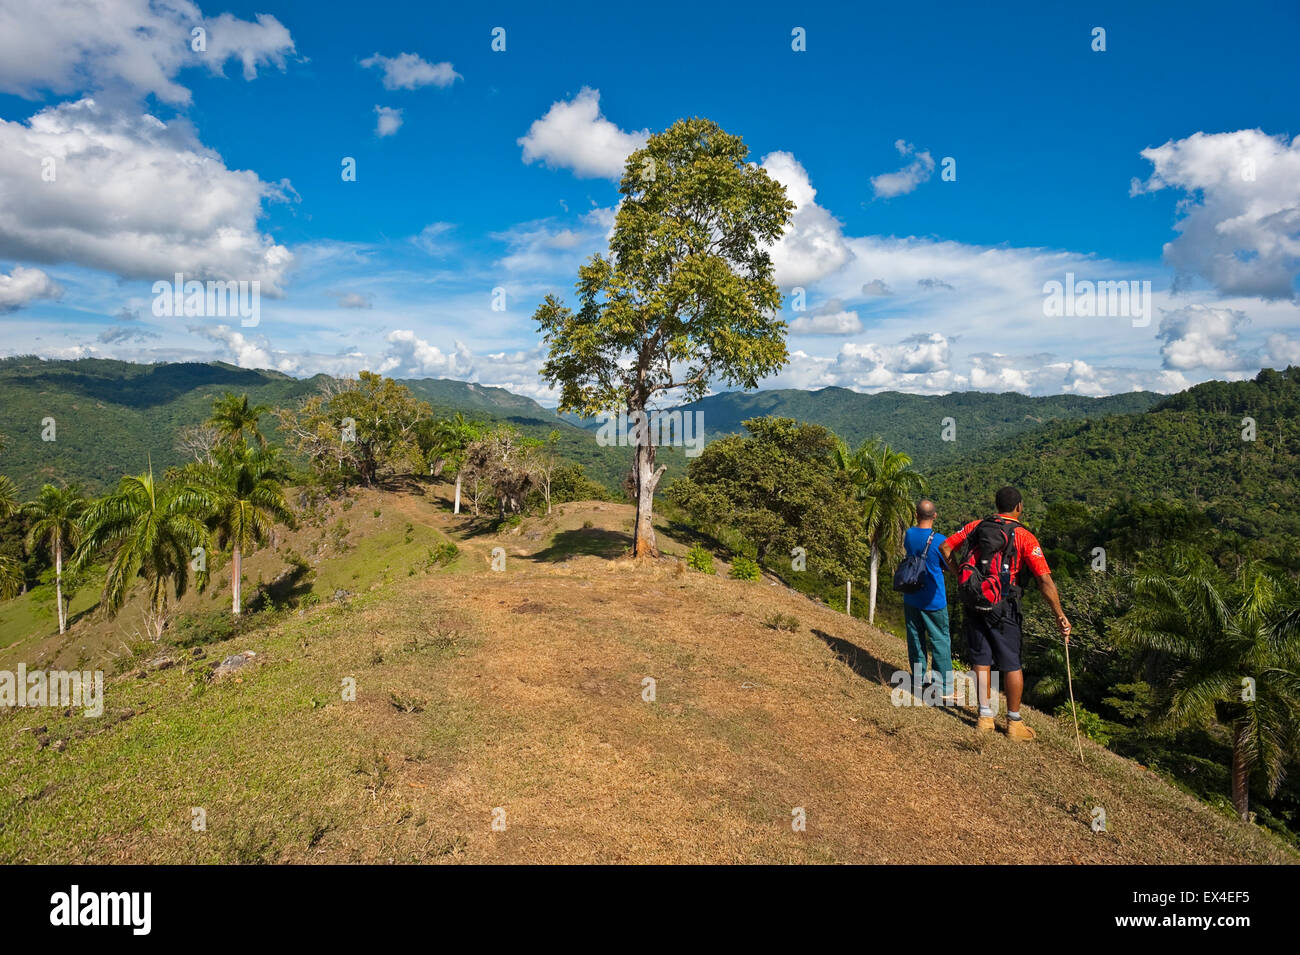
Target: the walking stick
pixel 1069 677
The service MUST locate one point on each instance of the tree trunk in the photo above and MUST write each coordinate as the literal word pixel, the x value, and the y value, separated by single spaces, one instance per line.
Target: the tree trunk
pixel 236 574
pixel 1240 771
pixel 871 599
pixel 647 479
pixel 58 583
pixel 456 509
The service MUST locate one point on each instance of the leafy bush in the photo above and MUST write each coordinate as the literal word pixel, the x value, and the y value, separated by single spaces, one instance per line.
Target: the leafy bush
pixel 441 556
pixel 697 558
pixel 783 621
pixel 1091 725
pixel 742 568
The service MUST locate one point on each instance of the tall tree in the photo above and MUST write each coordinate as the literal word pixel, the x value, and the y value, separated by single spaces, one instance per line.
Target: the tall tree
pixel 55 517
pixel 150 530
pixel 883 480
pixel 685 296
pixel 247 500
pixel 778 488
pixel 357 427
pixel 235 420
pixel 450 438
pixel 1235 650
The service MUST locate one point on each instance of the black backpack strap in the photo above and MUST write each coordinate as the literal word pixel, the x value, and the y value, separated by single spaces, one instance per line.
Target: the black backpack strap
pixel 926 553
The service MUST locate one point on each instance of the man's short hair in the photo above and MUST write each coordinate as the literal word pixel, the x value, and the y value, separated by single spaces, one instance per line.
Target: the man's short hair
pixel 1007 499
pixel 925 510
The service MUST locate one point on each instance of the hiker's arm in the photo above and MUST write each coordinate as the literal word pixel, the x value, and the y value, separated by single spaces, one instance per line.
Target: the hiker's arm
pixel 946 552
pixel 1053 598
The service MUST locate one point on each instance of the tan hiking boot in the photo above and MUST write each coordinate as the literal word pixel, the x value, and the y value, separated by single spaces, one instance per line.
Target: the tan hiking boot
pixel 985 725
pixel 1019 729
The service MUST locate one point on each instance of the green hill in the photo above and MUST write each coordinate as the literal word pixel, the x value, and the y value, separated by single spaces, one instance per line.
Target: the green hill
pixel 913 423
pixel 111 417
pixel 1188 449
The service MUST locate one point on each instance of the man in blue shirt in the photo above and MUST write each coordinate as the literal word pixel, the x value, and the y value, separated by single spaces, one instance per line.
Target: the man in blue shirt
pixel 925 611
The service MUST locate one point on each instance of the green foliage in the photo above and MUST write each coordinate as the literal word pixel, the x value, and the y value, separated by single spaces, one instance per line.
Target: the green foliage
pixel 1090 724
pixel 1180 472
pixel 570 483
pixel 782 621
pixel 778 488
pixel 698 558
pixel 1232 646
pixel 442 555
pixel 147 529
pixel 742 568
pixel 687 283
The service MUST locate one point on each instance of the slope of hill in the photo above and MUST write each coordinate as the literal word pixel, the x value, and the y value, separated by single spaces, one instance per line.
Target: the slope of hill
pixel 111 417
pixel 506 717
pixel 1196 448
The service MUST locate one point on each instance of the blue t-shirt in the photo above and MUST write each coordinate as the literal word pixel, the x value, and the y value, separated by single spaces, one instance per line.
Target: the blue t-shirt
pixel 931 596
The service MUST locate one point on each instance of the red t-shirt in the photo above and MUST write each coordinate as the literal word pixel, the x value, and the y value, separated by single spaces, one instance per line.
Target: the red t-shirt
pixel 1028 552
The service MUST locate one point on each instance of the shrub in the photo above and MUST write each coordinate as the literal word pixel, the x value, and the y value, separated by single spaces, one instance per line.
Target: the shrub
pixel 742 568
pixel 441 556
pixel 697 558
pixel 1091 725
pixel 783 621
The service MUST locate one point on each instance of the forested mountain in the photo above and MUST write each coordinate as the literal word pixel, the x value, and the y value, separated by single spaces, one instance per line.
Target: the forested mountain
pixel 912 423
pixel 111 417
pixel 1229 451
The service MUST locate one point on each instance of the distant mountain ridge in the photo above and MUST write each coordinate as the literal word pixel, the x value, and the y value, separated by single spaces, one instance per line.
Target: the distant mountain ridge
pixel 115 417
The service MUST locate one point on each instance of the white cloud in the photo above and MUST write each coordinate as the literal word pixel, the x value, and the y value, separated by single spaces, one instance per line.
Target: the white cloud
pixel 813 245
pixel 833 319
pixel 24 285
pixel 1199 336
pixel 1241 225
pixel 430 238
pixel 546 247
pixel 574 135
pixel 410 356
pixel 890 184
pixel 406 71
pixel 136 45
pixel 248 352
pixel 134 196
pixel 876 288
pixel 390 120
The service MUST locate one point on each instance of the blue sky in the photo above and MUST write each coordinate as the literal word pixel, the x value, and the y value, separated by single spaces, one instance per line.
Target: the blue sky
pixel 479 170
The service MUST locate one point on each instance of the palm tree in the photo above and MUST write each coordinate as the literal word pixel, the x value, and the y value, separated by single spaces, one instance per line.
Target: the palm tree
pixel 1235 646
pixel 882 479
pixel 11 571
pixel 233 418
pixel 247 501
pixel 55 516
pixel 451 437
pixel 8 497
pixel 150 530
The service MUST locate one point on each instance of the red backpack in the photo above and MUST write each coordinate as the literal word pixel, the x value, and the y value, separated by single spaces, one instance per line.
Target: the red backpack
pixel 984 580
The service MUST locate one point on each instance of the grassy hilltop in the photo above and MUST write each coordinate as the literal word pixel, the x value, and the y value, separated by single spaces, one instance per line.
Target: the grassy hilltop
pixel 522 691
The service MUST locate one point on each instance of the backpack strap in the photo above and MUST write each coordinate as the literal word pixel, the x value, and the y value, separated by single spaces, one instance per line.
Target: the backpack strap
pixel 926 553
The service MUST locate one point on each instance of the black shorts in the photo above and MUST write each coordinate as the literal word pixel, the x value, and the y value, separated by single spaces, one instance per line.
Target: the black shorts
pixel 994 642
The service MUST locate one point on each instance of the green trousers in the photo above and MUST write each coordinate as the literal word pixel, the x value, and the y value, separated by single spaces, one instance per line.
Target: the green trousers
pixel 929 627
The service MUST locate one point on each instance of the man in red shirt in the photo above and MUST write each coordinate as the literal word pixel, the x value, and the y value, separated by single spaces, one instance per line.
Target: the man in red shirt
pixel 996 639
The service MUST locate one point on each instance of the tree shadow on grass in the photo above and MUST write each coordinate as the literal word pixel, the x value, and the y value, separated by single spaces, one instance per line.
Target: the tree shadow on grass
pixel 875 670
pixel 864 664
pixel 585 542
